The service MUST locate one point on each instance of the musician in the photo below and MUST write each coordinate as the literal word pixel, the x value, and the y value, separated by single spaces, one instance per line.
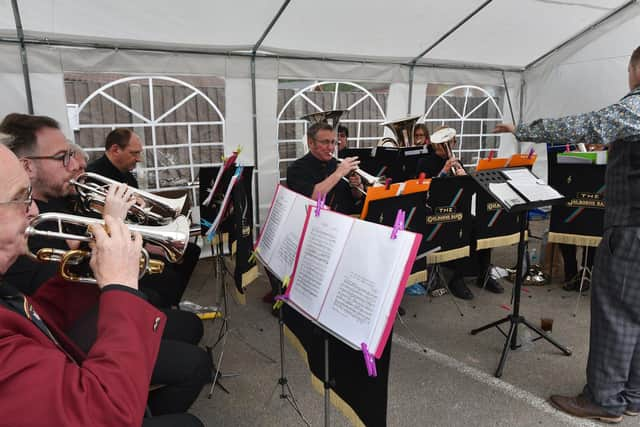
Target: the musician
pixel 421 134
pixel 182 366
pixel 44 378
pixel 122 152
pixel 613 369
pixel 438 164
pixel 318 172
pixel 343 135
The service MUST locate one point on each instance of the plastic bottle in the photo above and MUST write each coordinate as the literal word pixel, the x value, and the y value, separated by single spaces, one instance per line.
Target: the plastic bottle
pixel 526 340
pixel 533 256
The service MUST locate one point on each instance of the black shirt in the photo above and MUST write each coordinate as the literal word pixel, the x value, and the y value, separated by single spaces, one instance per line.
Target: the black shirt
pixel 307 171
pixel 104 167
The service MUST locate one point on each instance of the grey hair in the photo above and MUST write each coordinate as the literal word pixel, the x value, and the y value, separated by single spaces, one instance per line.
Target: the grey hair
pixel 6 140
pixel 78 149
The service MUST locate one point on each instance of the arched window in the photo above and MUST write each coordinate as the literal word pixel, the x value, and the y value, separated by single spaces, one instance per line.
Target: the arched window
pixel 364 114
pixel 181 127
pixel 473 112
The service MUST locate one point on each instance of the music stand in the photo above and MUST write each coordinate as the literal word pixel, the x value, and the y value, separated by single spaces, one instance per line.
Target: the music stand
pixel 484 179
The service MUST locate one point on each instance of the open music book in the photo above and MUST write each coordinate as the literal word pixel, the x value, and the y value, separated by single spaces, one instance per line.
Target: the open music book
pixel 349 276
pixel 278 241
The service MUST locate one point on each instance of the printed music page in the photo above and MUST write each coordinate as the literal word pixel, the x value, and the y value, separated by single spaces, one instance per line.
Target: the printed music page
pixel 531 187
pixel 365 282
pixel 283 228
pixel 284 253
pixel 321 248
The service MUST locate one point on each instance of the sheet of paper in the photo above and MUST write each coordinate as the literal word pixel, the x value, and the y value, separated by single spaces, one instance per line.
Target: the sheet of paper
pixel 280 208
pixel 538 191
pixel 520 176
pixel 284 254
pixel 363 282
pixel 320 252
pixel 506 194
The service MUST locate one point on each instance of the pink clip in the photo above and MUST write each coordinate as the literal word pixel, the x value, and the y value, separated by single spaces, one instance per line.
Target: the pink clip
pixel 398 224
pixel 491 154
pixel 421 177
pixel 369 361
pixel 387 183
pixel 320 203
pixel 531 153
pixel 567 148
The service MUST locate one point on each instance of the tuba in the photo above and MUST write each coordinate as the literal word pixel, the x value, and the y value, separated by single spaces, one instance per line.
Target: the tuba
pixel 150 208
pixel 172 238
pixel 402 130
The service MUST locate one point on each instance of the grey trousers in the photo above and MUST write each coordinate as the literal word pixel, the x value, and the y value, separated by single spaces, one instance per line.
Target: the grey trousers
pixel 613 369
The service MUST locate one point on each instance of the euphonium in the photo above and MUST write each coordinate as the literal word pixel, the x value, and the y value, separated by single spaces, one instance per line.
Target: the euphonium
pixel 154 210
pixel 171 238
pixel 402 130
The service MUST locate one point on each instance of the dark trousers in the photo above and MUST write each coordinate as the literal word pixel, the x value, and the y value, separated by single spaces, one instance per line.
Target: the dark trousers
pixel 570 261
pixel 173 420
pixel 613 368
pixel 477 264
pixel 166 289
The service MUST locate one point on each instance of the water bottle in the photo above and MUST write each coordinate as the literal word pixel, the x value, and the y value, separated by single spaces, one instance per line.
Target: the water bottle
pixel 533 257
pixel 526 340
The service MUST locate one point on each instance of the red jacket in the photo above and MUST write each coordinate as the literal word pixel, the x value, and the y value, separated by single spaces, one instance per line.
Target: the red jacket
pixel 41 386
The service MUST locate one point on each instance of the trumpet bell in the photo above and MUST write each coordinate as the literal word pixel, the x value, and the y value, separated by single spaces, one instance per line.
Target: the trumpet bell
pixel 150 209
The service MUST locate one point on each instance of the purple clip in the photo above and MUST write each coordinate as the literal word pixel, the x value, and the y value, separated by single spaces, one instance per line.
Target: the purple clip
pixel 320 203
pixel 398 224
pixel 531 153
pixel 369 361
pixel 282 297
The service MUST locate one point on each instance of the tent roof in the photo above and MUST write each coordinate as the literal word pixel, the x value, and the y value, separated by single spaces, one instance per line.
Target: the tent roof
pixel 503 33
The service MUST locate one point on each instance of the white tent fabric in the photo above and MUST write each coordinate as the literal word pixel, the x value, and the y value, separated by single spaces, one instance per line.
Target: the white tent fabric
pixel 372 41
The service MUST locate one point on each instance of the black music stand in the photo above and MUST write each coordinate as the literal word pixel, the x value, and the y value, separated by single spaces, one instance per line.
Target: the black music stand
pixel 484 179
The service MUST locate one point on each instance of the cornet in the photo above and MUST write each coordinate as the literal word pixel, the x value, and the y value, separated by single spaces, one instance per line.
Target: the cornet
pixel 154 210
pixel 171 238
pixel 446 137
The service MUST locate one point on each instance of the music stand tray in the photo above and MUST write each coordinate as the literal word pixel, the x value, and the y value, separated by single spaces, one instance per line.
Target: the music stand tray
pixel 498 176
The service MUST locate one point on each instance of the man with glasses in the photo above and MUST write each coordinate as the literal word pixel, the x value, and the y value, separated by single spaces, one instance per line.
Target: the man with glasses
pixel 318 172
pixel 109 384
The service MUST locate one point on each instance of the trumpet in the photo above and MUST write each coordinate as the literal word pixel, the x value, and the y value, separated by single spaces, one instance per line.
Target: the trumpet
pixel 171 238
pixel 154 209
pixel 366 177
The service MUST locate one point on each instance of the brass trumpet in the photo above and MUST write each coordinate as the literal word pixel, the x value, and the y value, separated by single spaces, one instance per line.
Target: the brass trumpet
pixel 154 210
pixel 171 238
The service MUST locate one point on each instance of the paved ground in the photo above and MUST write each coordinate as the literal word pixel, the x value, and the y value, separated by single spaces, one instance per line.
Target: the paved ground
pixel 440 374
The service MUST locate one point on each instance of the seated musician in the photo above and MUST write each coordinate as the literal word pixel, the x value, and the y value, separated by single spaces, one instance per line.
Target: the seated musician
pixel 50 163
pixel 123 149
pixel 437 164
pixel 343 143
pixel 45 378
pixel 318 172
pixel 421 135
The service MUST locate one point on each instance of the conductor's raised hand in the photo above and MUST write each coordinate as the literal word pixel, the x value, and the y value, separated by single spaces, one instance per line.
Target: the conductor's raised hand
pixel 504 128
pixel 348 165
pixel 115 256
pixel 118 201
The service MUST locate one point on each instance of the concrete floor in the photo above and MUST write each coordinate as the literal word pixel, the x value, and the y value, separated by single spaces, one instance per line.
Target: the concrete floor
pixel 440 374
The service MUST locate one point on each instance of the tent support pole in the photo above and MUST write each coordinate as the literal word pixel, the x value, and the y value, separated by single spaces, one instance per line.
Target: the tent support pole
pixel 254 109
pixel 23 55
pixel 506 91
pixel 411 72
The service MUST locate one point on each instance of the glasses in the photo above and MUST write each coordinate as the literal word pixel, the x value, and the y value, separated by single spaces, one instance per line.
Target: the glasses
pixel 325 142
pixel 25 198
pixel 64 157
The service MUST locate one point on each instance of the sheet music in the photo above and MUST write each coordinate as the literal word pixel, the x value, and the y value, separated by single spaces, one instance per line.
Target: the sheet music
pixel 318 259
pixel 282 230
pixel 506 194
pixel 362 281
pixel 531 187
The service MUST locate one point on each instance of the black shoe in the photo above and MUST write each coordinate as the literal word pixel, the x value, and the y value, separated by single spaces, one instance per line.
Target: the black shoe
pixel 573 285
pixel 492 285
pixel 459 289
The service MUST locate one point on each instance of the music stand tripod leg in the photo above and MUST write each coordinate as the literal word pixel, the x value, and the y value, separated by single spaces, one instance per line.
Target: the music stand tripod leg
pixel 509 344
pixel 546 337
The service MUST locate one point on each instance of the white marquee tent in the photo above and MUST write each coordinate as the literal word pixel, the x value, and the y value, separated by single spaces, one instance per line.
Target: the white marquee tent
pixel 554 57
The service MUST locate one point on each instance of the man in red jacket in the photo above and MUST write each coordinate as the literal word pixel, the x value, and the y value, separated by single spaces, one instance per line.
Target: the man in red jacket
pixel 45 379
